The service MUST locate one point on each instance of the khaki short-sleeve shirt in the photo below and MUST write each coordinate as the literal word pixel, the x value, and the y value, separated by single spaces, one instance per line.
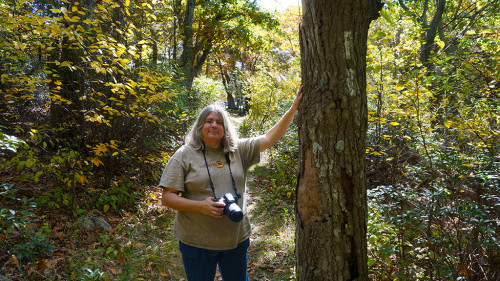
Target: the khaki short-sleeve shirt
pixel 186 172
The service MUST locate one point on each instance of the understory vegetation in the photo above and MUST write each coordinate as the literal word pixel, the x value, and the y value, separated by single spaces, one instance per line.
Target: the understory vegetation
pixel 49 244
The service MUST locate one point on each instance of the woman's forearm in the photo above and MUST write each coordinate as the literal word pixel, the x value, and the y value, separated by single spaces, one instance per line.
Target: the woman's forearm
pixel 171 199
pixel 279 129
pixel 176 202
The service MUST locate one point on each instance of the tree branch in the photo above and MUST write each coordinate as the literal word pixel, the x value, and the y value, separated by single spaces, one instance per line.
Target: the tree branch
pixel 473 18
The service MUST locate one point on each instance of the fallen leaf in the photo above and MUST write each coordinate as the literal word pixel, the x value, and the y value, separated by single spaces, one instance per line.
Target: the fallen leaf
pixel 42 265
pixel 121 259
pixel 52 263
pixel 60 235
pixel 149 267
pixel 13 259
pixel 463 271
pixel 162 273
pixel 114 271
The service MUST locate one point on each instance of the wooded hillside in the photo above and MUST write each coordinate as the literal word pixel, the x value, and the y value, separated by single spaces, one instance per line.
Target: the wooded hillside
pixel 95 96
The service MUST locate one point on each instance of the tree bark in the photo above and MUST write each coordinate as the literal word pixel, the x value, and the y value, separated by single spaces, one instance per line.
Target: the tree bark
pixel 331 209
pixel 187 57
pixel 430 34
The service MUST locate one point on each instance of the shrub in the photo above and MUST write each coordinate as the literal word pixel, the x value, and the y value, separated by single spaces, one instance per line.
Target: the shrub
pixel 23 239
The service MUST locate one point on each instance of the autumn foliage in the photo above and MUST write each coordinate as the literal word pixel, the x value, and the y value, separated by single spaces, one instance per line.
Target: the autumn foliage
pixel 96 95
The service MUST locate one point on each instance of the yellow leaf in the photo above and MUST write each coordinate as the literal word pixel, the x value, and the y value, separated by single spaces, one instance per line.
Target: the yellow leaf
pixel 34 131
pixel 448 123
pixel 399 87
pixel 82 179
pixel 101 148
pixel 106 208
pixel 115 153
pixel 66 63
pixel 394 123
pixel 96 161
pixel 440 44
pixel 73 19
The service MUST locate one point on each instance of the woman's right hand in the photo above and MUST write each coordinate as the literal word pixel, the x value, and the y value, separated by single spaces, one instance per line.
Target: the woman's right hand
pixel 170 198
pixel 211 208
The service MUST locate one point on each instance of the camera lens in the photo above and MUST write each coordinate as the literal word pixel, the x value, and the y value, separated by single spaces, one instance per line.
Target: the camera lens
pixel 233 211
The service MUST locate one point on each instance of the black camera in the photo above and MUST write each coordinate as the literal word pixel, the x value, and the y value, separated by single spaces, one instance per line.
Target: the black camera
pixel 232 210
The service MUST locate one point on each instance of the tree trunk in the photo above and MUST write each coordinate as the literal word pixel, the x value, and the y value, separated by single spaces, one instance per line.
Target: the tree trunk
pixel 177 8
pixel 154 46
pixel 429 36
pixel 187 56
pixel 66 117
pixel 331 209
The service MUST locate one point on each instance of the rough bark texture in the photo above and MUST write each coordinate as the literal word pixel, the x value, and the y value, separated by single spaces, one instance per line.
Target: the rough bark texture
pixel 331 193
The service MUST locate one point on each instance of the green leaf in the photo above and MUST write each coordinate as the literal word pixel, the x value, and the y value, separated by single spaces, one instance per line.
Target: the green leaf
pixel 385 14
pixel 379 34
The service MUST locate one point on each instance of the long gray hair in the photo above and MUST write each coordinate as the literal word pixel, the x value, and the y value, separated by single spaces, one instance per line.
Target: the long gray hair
pixel 230 140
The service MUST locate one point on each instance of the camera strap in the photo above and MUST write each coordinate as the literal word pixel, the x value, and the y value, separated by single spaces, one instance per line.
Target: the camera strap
pixel 237 195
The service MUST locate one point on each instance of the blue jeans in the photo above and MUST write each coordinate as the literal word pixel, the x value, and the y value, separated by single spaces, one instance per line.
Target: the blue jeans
pixel 200 264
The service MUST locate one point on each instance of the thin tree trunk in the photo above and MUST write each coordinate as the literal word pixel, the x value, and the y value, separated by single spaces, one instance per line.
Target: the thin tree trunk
pixel 187 57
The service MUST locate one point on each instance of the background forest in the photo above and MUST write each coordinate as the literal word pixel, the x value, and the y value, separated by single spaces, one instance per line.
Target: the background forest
pixel 96 95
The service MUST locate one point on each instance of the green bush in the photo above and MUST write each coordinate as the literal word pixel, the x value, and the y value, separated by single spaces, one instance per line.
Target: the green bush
pixel 207 91
pixel 10 142
pixel 283 161
pixel 22 239
pixel 444 226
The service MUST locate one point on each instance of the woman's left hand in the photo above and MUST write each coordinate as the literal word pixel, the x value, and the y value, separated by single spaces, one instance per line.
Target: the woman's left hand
pixel 298 99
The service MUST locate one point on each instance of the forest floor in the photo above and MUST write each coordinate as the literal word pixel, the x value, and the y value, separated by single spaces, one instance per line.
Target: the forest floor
pixel 141 245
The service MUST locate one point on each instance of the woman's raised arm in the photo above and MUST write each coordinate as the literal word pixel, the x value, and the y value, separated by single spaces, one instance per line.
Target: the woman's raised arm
pixel 279 129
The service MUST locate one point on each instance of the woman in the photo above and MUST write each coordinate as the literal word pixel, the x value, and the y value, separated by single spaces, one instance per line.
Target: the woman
pixel 211 164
